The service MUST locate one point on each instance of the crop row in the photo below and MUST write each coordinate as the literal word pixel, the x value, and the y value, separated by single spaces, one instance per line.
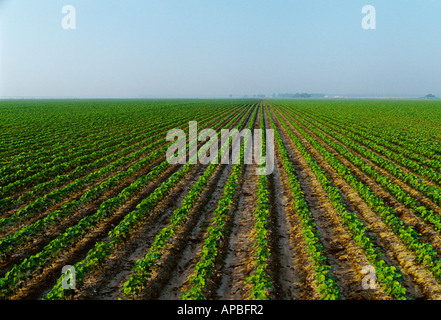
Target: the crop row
pixel 398 192
pixel 412 150
pixel 97 255
pixel 326 284
pixel 425 253
pixel 260 278
pixel 35 142
pixel 24 168
pixel 420 142
pixel 79 164
pixel 414 166
pixel 387 275
pixel 206 265
pixel 143 268
pixel 78 184
pixel 60 244
pixel 94 147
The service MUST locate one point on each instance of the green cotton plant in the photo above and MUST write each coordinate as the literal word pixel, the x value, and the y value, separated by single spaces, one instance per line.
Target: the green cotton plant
pixel 28 232
pixel 215 234
pixel 142 269
pixel 396 191
pixel 357 230
pixel 415 163
pixel 326 285
pixel 57 195
pixel 72 234
pixel 121 232
pixel 410 238
pixel 209 252
pixel 260 280
pixel 411 179
pixel 392 141
pixel 85 175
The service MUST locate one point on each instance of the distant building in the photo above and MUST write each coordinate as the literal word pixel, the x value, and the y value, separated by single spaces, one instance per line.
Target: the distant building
pixel 300 95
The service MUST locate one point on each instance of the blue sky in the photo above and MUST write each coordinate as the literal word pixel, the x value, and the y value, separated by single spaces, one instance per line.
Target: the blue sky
pixel 184 48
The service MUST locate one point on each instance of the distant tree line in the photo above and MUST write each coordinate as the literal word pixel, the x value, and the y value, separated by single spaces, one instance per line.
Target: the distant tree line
pixel 300 95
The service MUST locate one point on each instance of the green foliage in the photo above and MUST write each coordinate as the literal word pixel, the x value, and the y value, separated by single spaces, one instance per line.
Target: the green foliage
pixel 98 255
pixel 410 238
pixel 387 275
pixel 327 287
pixel 204 268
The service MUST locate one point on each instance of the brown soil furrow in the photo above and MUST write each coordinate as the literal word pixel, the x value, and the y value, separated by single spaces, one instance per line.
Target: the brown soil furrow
pixel 237 264
pixel 191 251
pixel 42 282
pixel 419 283
pixel 120 264
pixel 344 255
pixel 424 200
pixel 429 234
pixel 50 274
pixel 107 282
pixel 178 264
pixel 50 234
pixel 288 260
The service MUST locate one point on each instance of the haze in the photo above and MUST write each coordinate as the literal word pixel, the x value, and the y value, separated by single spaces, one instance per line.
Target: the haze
pixel 217 48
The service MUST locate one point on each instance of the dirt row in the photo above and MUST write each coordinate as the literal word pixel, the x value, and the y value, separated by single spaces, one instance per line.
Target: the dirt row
pixel 420 283
pixel 409 189
pixel 345 257
pixel 429 234
pixel 85 210
pixel 291 270
pixel 365 129
pixel 70 198
pixel 290 267
pixel 170 277
pixel 45 279
pixel 50 234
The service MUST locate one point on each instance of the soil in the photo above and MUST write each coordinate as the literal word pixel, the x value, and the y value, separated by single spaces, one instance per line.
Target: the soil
pixel 290 266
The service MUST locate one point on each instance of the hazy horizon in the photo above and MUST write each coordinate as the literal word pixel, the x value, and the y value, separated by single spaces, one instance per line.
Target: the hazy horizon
pixel 195 48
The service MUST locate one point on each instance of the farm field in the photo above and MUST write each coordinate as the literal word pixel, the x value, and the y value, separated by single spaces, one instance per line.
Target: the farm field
pixel 355 193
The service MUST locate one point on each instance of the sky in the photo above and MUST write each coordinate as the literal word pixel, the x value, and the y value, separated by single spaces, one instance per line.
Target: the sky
pixel 214 48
